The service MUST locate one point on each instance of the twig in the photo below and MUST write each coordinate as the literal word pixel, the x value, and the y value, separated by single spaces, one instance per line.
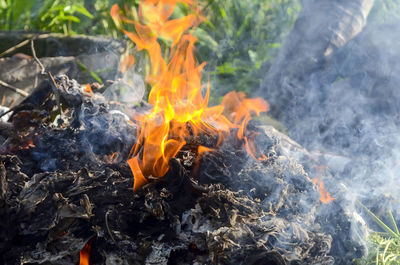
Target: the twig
pixel 35 83
pixel 108 228
pixel 22 43
pixel 50 75
pixel 42 68
pixel 11 102
pixel 3 99
pixel 19 45
pixel 13 88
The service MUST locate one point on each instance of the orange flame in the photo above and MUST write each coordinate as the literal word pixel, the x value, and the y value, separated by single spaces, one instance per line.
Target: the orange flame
pixel 180 111
pixel 203 149
pixel 127 62
pixel 84 254
pixel 325 196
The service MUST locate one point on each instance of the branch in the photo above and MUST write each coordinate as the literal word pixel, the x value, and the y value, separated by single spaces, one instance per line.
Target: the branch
pixel 23 43
pixel 19 45
pixel 50 75
pixel 13 88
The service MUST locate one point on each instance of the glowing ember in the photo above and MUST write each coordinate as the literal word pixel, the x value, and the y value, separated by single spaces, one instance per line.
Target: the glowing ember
pixel 88 88
pixel 180 111
pixel 84 254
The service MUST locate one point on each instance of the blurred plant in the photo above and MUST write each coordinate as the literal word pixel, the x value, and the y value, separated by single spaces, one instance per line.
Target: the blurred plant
pixel 240 36
pixel 14 14
pixel 384 250
pixel 384 246
pixel 61 16
pixel 102 23
pixel 58 16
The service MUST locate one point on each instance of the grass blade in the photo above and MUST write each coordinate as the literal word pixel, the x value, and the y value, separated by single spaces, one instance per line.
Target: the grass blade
pixel 379 221
pixel 393 222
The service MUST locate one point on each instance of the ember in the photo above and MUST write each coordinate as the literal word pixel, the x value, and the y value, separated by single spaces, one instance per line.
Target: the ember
pixel 84 254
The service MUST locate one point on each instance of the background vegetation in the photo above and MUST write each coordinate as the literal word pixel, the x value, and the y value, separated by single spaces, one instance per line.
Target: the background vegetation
pixel 237 39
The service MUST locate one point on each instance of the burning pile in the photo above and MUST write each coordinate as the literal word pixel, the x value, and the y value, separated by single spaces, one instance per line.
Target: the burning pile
pixel 220 189
pixel 180 112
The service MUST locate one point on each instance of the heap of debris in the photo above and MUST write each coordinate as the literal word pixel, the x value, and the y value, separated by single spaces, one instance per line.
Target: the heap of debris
pixel 65 184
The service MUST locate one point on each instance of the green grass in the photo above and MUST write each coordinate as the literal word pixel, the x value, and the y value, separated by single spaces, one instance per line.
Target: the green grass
pixel 240 37
pixel 383 247
pixel 383 250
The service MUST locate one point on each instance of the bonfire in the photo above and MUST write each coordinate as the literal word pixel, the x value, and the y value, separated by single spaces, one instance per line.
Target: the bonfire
pixel 172 180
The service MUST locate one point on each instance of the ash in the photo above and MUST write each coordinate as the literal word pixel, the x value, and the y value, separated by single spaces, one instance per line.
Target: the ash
pixel 64 182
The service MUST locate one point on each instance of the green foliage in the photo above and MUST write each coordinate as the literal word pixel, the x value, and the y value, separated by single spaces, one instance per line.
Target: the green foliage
pixel 384 247
pixel 60 16
pixel 239 36
pixel 385 250
pixel 102 23
pixel 236 39
pixel 13 12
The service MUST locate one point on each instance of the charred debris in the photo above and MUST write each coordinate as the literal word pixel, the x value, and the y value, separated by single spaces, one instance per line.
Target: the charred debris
pixel 65 184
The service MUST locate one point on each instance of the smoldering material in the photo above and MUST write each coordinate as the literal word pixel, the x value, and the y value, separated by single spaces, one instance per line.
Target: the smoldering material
pixel 344 103
pixel 214 209
pixel 179 220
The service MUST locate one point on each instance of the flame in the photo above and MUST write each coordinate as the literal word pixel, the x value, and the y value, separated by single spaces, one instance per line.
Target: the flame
pixel 84 254
pixel 202 149
pixel 325 196
pixel 180 111
pixel 127 62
